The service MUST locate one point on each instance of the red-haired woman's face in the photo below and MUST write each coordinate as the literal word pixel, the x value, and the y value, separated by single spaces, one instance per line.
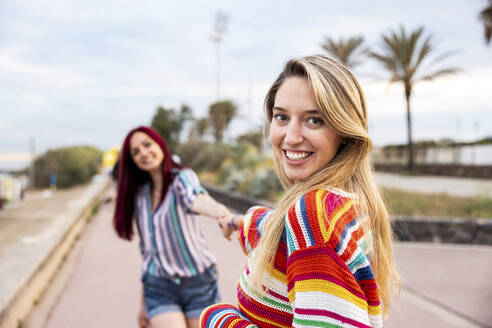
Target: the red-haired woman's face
pixel 145 152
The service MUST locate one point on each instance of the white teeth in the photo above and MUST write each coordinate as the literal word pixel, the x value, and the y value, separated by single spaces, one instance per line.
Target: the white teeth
pixel 296 156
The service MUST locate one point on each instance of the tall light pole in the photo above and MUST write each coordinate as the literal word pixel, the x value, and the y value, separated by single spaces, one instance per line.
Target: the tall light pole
pixel 32 168
pixel 221 20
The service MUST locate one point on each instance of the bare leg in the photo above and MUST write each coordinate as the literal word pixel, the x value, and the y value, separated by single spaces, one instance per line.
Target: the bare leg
pixel 169 319
pixel 193 322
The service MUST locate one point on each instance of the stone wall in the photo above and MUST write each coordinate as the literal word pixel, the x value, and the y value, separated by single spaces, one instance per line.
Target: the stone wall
pixel 443 230
pixel 234 200
pixel 422 229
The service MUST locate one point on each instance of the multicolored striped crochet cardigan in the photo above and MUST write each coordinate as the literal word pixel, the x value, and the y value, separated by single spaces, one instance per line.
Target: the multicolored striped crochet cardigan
pixel 322 276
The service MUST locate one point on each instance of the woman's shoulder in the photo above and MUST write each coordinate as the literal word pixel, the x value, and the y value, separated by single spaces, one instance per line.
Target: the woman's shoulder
pixel 184 176
pixel 185 173
pixel 323 201
pixel 321 215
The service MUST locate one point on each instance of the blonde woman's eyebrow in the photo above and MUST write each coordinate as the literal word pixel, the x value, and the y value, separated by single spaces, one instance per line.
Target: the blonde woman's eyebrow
pixel 310 111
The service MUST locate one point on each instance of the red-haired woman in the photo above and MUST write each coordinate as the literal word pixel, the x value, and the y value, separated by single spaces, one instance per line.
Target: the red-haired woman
pixel 165 199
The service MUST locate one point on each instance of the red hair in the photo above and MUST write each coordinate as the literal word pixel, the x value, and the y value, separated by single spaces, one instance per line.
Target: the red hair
pixel 130 177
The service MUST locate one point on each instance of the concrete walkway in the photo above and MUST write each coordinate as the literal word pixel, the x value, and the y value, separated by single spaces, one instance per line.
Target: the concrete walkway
pixel 465 187
pixel 30 234
pixel 444 286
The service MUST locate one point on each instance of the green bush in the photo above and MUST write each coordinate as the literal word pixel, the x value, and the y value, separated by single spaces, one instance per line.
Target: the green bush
pixel 203 156
pixel 265 183
pixel 72 166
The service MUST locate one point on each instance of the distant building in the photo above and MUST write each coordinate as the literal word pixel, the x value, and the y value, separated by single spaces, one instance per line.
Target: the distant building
pixel 460 155
pixel 12 188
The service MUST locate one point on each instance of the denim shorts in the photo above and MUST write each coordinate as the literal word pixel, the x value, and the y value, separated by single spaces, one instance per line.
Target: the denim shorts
pixel 190 295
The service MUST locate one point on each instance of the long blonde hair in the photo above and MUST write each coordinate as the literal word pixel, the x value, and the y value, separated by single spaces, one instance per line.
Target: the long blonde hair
pixel 341 102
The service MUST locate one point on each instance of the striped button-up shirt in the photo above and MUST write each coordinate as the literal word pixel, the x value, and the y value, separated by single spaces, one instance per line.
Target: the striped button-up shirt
pixel 171 241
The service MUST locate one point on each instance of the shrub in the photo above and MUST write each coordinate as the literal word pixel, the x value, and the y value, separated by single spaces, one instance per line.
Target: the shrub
pixel 72 166
pixel 265 183
pixel 204 156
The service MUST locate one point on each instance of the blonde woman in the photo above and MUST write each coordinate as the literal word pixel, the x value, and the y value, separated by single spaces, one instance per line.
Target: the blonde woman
pixel 323 257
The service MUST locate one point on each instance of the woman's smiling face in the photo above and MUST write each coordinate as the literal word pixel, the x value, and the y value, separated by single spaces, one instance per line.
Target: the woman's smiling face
pixel 145 152
pixel 301 139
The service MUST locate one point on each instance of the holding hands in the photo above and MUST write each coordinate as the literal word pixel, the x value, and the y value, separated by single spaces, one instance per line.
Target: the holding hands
pixel 230 224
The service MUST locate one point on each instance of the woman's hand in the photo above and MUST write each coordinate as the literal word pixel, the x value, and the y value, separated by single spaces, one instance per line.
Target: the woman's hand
pixel 230 224
pixel 143 322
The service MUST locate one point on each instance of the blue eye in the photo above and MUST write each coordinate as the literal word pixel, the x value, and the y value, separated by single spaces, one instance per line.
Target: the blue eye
pixel 315 121
pixel 280 117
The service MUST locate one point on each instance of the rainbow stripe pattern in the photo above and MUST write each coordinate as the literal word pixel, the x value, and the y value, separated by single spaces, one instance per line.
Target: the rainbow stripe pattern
pixel 321 277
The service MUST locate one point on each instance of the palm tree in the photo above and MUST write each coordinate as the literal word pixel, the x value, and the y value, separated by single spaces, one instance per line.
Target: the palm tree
pixel 344 49
pixel 221 114
pixel 402 55
pixel 199 128
pixel 486 17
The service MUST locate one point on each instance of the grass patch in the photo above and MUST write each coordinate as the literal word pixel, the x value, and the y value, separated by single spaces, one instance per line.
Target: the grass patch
pixel 96 208
pixel 411 203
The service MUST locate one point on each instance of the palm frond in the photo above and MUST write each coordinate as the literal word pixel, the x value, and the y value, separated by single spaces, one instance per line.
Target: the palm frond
pixel 486 17
pixel 387 61
pixel 425 50
pixel 445 55
pixel 344 49
pixel 440 73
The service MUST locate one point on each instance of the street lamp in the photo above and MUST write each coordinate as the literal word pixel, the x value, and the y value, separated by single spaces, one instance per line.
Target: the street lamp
pixel 221 20
pixel 32 168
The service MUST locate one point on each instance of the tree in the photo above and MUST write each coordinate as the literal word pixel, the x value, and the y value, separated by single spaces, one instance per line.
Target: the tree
pixel 254 137
pixel 345 49
pixel 199 128
pixel 486 17
pixel 169 123
pixel 71 165
pixel 221 114
pixel 402 56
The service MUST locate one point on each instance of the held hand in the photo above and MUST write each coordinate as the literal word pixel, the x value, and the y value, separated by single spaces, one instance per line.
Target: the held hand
pixel 229 225
pixel 226 230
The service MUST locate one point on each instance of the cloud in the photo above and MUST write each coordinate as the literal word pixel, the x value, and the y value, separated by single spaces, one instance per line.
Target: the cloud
pixel 469 90
pixel 87 72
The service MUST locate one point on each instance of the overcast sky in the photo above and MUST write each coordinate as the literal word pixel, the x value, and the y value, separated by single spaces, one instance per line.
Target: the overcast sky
pixel 85 72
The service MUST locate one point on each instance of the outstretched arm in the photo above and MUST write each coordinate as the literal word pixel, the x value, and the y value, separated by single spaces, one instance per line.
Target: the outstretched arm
pixel 206 205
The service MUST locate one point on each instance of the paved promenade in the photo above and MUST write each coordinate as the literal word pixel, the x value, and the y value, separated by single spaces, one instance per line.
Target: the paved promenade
pixel 31 233
pixel 98 286
pixel 443 285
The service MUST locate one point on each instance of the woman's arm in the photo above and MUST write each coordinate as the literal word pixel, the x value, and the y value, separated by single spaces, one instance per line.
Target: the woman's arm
pixel 248 225
pixel 206 205
pixel 224 316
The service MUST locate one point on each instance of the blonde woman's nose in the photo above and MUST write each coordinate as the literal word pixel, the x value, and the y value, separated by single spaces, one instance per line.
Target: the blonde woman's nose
pixel 293 134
